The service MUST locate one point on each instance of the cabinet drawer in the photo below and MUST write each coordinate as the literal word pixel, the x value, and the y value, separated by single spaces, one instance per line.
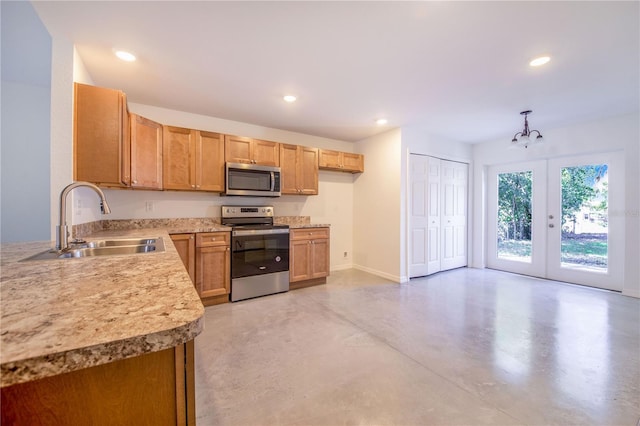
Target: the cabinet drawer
pixel 309 233
pixel 210 239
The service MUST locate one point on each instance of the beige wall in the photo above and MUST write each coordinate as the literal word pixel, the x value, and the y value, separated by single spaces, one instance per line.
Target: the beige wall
pixel 377 207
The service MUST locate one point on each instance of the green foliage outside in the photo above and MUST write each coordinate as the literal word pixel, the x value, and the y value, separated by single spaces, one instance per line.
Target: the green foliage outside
pixel 514 206
pixel 579 189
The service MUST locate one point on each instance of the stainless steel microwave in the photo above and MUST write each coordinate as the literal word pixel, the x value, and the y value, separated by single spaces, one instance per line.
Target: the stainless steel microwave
pixel 252 180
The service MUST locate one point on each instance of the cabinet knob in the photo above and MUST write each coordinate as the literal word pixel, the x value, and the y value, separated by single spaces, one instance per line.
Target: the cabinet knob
pixel 213 239
pixel 193 186
pixel 135 181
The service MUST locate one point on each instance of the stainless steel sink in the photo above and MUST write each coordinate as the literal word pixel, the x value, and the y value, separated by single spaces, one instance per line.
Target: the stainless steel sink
pixel 113 247
pixel 120 242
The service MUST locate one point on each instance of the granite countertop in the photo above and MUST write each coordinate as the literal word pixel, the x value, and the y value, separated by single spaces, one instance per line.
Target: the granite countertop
pixel 63 315
pixel 308 225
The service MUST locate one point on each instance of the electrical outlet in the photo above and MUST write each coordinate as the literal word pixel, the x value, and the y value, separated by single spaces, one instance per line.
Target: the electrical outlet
pixel 346 255
pixel 148 206
pixel 78 207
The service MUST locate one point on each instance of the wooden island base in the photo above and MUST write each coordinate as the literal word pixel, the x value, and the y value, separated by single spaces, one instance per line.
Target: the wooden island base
pixel 157 388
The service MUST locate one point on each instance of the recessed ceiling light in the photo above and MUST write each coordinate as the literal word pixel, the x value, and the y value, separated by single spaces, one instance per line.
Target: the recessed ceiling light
pixel 289 98
pixel 539 61
pixel 125 56
pixel 381 121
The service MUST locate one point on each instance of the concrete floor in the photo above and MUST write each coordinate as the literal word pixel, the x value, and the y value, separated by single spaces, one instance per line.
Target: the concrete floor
pixel 466 347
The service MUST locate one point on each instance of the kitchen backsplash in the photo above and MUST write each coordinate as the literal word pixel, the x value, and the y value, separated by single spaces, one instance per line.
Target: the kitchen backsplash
pixel 85 229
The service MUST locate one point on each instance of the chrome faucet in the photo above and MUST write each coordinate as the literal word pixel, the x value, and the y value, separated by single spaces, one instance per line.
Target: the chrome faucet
pixel 61 230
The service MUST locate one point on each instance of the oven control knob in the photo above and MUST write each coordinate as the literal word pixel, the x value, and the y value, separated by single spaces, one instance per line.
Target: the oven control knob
pixel 278 258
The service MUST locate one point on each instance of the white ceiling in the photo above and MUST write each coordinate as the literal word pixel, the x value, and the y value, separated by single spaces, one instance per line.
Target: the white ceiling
pixel 458 68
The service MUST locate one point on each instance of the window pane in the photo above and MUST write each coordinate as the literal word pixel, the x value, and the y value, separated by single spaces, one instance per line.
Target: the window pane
pixel 514 216
pixel 585 217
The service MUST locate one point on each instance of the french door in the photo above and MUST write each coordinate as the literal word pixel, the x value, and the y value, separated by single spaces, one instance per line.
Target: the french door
pixel 559 219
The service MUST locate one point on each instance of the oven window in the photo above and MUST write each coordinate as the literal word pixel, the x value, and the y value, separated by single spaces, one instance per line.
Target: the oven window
pixel 252 180
pixel 259 254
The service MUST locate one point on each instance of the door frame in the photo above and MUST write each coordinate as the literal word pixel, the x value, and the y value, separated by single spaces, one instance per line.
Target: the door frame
pixel 546 241
pixel 613 278
pixel 537 266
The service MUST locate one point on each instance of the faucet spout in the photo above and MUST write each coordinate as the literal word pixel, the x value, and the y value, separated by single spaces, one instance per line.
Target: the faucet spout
pixel 62 233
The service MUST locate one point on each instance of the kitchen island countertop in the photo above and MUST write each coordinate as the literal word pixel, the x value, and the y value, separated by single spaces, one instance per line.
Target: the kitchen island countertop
pixel 63 315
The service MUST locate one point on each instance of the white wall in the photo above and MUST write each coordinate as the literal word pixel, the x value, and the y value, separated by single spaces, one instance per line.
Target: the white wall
pixel 377 207
pixel 416 139
pixel 621 133
pixel 25 107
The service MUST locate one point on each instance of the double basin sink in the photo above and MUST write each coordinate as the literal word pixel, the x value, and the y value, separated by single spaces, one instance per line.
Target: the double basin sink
pixel 125 246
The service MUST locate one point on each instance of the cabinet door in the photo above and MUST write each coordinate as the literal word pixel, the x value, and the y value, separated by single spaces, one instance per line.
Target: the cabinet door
pixel 266 153
pixel 213 271
pixel 101 136
pixel 178 151
pixel 209 161
pixel 353 162
pixel 289 169
pixel 308 170
pixel 238 149
pixel 146 153
pixel 299 260
pixel 186 246
pixel 330 159
pixel 319 258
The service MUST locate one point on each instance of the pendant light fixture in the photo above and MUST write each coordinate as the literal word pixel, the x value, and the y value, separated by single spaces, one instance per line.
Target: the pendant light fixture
pixel 523 138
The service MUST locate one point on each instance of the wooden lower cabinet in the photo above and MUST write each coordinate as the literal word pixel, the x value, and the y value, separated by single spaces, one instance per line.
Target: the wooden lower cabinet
pixel 186 246
pixel 213 267
pixel 309 256
pixel 157 388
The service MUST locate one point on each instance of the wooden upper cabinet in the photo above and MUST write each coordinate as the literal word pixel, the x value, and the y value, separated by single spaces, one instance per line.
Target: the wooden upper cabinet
pixel 266 153
pixel 353 163
pixel 178 157
pixel 240 149
pixel 101 136
pixel 146 153
pixel 193 160
pixel 209 161
pixel 289 169
pixel 341 161
pixel 299 167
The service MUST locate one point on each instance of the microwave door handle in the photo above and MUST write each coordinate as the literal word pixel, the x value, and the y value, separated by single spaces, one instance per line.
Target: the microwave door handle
pixel 273 181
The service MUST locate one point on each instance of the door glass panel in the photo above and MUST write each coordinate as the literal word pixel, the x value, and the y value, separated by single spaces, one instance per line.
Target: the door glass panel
pixel 585 217
pixel 514 216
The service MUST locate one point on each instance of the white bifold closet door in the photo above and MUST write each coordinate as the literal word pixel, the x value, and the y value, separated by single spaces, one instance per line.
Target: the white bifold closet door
pixel 438 205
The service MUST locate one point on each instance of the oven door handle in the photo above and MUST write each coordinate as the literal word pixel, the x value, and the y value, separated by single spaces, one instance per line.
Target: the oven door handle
pixel 250 232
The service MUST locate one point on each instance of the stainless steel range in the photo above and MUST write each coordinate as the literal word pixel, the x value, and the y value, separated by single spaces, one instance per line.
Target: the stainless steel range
pixel 259 252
